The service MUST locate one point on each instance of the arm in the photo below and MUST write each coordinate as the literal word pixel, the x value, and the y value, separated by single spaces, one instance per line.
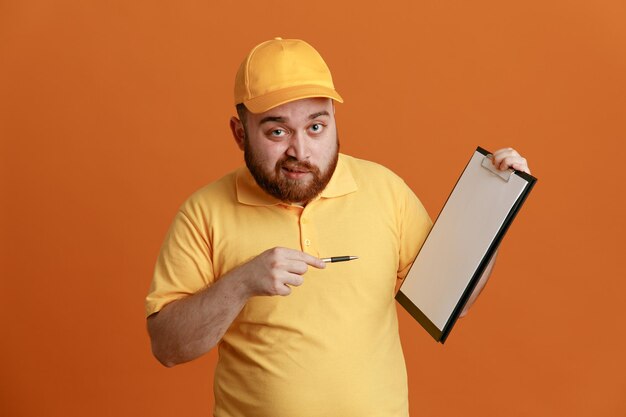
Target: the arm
pixel 479 287
pixel 503 159
pixel 187 328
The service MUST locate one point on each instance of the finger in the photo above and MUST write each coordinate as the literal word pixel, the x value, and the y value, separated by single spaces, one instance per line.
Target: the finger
pixel 518 163
pixel 283 287
pixel 309 260
pixel 282 290
pixel 506 158
pixel 279 283
pixel 294 280
pixel 296 267
pixel 501 154
pixel 521 165
pixel 296 255
pixel 504 151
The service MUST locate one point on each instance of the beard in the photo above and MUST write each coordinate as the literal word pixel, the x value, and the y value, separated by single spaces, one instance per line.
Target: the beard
pixel 286 189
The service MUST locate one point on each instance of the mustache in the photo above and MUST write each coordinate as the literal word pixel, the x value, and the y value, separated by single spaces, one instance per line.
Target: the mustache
pixel 293 164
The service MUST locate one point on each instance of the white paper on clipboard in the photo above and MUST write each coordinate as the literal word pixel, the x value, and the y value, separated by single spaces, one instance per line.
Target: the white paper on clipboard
pixel 464 237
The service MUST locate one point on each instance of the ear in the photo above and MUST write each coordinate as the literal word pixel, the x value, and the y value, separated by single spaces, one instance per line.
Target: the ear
pixel 239 134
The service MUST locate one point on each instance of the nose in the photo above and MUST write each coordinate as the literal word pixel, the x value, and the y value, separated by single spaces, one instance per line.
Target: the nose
pixel 298 148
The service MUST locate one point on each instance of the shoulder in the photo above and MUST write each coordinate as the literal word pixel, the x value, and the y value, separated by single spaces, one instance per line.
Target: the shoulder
pixel 218 195
pixel 380 185
pixel 369 174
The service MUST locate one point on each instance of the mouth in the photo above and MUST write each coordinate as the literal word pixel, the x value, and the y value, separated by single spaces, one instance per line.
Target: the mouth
pixel 295 172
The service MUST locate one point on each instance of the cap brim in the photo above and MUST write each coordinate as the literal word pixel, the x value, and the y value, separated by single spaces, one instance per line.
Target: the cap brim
pixel 268 101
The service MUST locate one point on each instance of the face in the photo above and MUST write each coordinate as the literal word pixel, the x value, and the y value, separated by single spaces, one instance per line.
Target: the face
pixel 291 150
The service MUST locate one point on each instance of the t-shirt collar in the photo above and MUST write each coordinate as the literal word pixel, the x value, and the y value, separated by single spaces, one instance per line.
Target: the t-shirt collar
pixel 248 191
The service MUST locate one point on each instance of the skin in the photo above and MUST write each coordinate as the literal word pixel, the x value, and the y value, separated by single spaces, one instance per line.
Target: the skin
pixel 302 130
pixel 186 329
pixel 298 131
pixel 288 143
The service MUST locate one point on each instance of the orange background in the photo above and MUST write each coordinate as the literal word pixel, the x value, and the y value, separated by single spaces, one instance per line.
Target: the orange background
pixel 112 113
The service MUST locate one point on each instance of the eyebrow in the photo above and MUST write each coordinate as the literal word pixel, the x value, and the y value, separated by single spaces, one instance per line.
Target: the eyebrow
pixel 281 119
pixel 272 119
pixel 318 114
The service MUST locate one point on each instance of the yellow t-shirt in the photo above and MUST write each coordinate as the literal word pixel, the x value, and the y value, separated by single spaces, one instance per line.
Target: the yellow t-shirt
pixel 332 347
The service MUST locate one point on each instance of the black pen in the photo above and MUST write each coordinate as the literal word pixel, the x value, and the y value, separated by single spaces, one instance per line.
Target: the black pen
pixel 339 259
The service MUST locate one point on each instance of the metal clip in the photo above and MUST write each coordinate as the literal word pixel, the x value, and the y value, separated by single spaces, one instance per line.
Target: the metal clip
pixel 488 164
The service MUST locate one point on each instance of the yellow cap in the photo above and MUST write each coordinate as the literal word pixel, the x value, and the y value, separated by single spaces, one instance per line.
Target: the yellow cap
pixel 279 71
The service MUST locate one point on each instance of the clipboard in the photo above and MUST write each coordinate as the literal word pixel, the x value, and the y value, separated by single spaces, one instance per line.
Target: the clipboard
pixel 461 243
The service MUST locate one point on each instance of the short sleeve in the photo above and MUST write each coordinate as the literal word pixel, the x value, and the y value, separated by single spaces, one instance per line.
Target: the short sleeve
pixel 184 264
pixel 414 228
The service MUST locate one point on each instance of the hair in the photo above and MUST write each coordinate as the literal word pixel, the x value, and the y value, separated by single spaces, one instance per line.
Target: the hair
pixel 242 112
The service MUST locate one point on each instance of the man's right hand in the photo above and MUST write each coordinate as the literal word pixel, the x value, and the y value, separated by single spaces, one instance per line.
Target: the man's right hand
pixel 274 271
pixel 189 327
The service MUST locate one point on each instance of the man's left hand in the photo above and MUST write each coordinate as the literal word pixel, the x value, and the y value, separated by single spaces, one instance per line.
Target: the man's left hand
pixel 506 158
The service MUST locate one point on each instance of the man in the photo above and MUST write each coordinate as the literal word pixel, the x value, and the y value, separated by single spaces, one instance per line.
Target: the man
pixel 330 346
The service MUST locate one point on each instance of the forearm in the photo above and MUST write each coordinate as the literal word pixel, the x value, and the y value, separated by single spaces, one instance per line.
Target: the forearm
pixel 186 329
pixel 481 284
pixel 190 327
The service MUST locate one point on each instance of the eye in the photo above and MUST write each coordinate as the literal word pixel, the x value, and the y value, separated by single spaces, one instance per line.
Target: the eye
pixel 317 127
pixel 277 133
